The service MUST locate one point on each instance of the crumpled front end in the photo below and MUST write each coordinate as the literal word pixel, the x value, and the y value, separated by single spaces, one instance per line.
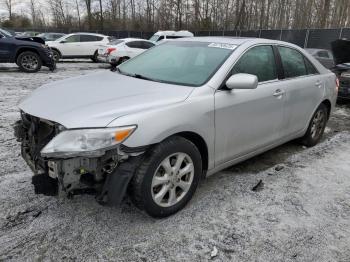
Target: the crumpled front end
pixel 72 175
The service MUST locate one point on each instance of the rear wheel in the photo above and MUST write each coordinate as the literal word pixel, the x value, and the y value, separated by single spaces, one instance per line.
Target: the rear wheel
pixel 29 62
pixel 94 57
pixel 167 178
pixel 316 127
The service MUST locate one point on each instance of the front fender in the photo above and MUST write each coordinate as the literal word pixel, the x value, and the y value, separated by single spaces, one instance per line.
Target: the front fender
pixel 196 114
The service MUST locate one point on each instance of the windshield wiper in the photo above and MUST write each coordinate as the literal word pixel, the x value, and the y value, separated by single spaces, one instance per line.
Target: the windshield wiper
pixel 139 76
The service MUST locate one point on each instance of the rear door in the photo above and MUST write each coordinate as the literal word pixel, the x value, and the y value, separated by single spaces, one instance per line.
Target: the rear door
pixel 90 43
pixel 304 89
pixel 247 120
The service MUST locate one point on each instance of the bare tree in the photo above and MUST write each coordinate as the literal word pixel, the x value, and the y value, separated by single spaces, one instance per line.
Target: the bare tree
pixel 9 4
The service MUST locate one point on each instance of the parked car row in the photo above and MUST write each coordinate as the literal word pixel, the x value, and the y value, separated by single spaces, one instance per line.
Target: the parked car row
pixel 106 49
pixel 58 46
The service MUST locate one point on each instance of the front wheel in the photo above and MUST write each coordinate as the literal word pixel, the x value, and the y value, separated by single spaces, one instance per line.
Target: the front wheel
pixel 29 62
pixel 167 178
pixel 316 127
pixel 56 55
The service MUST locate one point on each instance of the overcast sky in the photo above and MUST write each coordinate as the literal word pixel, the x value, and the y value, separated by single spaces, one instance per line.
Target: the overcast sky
pixel 20 6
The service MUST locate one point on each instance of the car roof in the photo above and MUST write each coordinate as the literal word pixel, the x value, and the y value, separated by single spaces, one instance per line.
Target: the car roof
pixel 133 39
pixel 83 33
pixel 233 40
pixel 183 33
pixel 223 39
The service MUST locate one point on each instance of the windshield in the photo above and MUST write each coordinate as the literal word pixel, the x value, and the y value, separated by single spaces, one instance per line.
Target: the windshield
pixel 179 62
pixel 5 33
pixel 61 38
pixel 154 38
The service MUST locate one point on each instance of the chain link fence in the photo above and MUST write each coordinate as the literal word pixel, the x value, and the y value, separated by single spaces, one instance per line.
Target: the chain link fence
pixel 307 38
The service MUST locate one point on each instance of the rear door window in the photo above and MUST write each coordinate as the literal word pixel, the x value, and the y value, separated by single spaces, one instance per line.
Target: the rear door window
pixel 292 62
pixel 146 45
pixel 259 61
pixel 133 44
pixel 90 38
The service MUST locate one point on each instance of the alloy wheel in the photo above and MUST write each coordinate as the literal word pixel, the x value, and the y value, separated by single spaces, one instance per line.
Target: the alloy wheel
pixel 30 62
pixel 172 179
pixel 318 124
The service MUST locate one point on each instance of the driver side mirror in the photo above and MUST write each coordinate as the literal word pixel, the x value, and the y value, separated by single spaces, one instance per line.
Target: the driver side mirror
pixel 242 81
pixel 63 42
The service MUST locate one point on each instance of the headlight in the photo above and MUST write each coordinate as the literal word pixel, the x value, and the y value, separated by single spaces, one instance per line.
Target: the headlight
pixel 86 142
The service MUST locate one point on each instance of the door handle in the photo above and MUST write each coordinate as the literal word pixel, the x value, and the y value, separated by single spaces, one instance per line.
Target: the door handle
pixel 278 93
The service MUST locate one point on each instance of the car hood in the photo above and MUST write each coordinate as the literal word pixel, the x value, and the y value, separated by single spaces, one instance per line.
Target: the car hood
pixel 31 39
pixel 341 51
pixel 97 99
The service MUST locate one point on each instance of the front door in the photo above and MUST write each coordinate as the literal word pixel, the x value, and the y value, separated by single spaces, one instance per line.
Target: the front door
pixel 246 120
pixel 70 46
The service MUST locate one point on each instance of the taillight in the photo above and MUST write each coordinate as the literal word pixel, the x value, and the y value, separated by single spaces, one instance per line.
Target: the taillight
pixel 110 50
pixel 337 84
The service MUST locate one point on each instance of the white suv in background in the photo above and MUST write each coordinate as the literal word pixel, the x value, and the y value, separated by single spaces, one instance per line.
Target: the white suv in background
pixel 163 35
pixel 120 50
pixel 78 45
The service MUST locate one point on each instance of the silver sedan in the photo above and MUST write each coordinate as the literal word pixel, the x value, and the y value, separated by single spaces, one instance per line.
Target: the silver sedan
pixel 167 118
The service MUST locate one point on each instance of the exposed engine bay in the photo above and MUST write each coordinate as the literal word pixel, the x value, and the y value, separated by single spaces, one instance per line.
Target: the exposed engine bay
pixel 74 175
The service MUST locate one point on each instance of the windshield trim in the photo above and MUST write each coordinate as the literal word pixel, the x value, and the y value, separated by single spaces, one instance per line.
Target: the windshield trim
pixel 177 83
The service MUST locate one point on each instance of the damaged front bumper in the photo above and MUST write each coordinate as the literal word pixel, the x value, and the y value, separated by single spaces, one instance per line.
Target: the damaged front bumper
pixel 100 175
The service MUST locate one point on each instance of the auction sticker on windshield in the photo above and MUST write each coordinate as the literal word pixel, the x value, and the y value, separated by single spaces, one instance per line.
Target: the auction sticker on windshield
pixel 221 45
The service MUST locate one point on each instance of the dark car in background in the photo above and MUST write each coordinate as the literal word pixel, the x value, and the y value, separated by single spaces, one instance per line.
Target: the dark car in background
pixel 50 36
pixel 341 53
pixel 29 53
pixel 324 56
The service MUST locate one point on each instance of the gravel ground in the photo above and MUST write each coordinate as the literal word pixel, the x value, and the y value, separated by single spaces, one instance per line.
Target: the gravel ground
pixel 299 209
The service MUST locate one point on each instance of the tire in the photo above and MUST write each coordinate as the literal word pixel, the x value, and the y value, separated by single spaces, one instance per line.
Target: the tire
pixel 316 127
pixel 167 197
pixel 56 55
pixel 94 57
pixel 29 62
pixel 122 60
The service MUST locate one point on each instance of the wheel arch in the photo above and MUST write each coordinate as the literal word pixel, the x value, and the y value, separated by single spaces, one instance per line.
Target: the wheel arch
pixel 328 104
pixel 57 50
pixel 24 49
pixel 201 145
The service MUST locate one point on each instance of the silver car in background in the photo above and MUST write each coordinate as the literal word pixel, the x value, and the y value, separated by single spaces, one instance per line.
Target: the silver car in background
pixel 167 118
pixel 324 56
